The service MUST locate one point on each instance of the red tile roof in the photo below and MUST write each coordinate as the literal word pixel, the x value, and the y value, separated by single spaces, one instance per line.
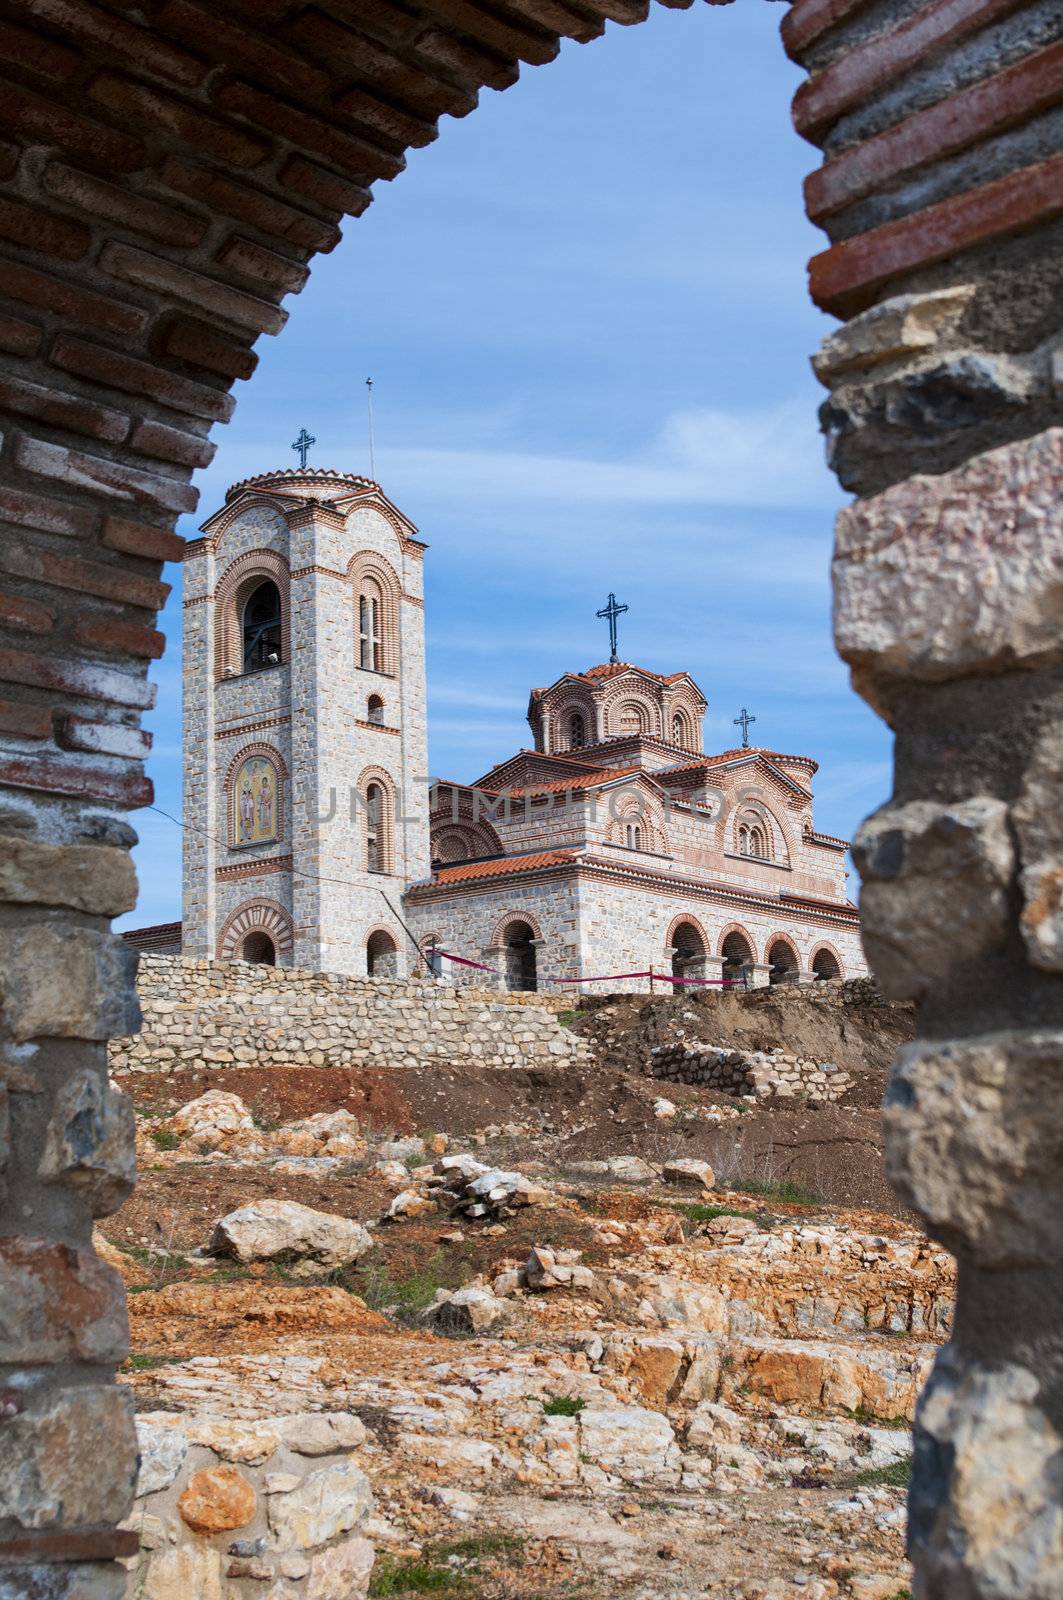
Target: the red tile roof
pixel 612 669
pixel 502 866
pixel 733 755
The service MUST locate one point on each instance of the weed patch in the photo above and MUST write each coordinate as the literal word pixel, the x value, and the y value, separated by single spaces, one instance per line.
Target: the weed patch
pixel 894 1476
pixel 144 1363
pixel 164 1140
pixel 563 1405
pixel 787 1194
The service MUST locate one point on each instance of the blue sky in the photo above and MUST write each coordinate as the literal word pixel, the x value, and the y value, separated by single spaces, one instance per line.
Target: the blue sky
pixel 585 315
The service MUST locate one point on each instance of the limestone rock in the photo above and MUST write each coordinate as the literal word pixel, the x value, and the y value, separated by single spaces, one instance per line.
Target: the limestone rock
pixel 328 1133
pixel 410 1204
pixel 935 893
pixel 90 1142
pixel 272 1230
pixel 333 1500
pixel 341 1573
pixel 163 1447
pixel 686 1169
pixel 66 983
pixel 1039 830
pixel 899 326
pixel 321 1433
pixel 664 1109
pixel 217 1499
pixel 556 1269
pixel 62 1303
pixel 629 1442
pixel 469 1310
pixel 74 1461
pixel 974 1141
pixel 214 1120
pixel 189 1572
pixel 402 1149
pixel 985 1517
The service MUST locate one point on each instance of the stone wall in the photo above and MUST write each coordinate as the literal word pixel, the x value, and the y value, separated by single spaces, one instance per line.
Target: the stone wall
pixel 166 175
pixel 214 1013
pixel 764 1074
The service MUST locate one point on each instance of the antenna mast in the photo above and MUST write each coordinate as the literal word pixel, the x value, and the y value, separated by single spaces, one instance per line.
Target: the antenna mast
pixel 369 405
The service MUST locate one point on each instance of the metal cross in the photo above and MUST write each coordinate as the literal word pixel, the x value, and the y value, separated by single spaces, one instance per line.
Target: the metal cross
pixel 743 722
pixel 611 612
pixel 302 446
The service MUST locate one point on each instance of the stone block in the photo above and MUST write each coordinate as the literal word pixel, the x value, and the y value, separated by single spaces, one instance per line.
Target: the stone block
pixel 974 1142
pixel 269 1230
pixel 90 1142
pixel 1038 823
pixel 903 325
pixel 190 1572
pixel 73 1462
pixel 985 1518
pixel 217 1500
pixel 162 1447
pixel 943 576
pixel 90 878
pixel 935 889
pixel 95 1580
pixel 341 1573
pixel 59 1303
pixel 69 983
pixel 328 1502
pixel 321 1433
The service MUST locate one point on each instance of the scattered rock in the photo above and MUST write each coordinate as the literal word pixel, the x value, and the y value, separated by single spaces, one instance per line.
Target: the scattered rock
pixel 283 1230
pixel 685 1169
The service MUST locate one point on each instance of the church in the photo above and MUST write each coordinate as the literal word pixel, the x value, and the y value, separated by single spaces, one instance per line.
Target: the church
pixel 612 847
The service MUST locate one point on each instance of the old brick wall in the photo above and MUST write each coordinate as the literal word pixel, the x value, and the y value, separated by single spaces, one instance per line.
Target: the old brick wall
pixel 166 172
pixel 213 1013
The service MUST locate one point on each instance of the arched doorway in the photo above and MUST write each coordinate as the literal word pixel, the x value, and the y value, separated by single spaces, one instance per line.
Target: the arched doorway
pixel 520 963
pixel 825 965
pixel 737 955
pixel 381 955
pixel 259 948
pixel 783 963
pixel 688 952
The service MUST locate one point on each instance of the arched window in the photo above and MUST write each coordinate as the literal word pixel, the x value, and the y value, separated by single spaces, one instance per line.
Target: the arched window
pixel 376 844
pixel 370 627
pixel 737 955
pixel 577 731
pixel 259 947
pixel 758 845
pixel 826 966
pixel 381 955
pixel 679 730
pixel 633 836
pixel 753 838
pixel 520 962
pixel 783 963
pixel 261 626
pixel 375 709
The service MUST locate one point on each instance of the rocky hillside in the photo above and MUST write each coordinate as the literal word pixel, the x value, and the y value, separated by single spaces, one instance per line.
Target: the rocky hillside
pixel 509 1334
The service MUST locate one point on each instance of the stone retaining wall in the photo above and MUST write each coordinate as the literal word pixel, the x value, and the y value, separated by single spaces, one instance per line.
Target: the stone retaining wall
pixel 216 1013
pixel 765 1074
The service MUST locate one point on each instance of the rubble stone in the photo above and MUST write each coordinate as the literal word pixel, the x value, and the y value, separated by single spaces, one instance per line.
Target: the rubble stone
pixel 271 1230
pixel 216 1500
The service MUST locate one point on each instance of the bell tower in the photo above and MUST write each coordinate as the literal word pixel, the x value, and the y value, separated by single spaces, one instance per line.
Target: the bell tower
pixel 305 748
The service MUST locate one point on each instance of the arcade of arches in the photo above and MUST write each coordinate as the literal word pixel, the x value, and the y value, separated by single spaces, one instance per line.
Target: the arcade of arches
pixel 167 174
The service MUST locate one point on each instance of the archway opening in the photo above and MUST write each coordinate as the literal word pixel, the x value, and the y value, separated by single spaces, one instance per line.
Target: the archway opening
pixel 520 962
pixel 375 710
pixel 381 955
pixel 783 963
pixel 688 952
pixel 826 966
pixel 259 948
pixel 737 958
pixel 261 626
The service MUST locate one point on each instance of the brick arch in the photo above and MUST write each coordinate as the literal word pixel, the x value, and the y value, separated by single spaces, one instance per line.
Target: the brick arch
pixel 256 916
pixel 382 776
pixel 694 922
pixel 235 587
pixel 641 809
pixel 367 566
pixel 231 514
pixel 153 225
pixel 825 946
pixel 507 920
pixel 572 703
pixel 736 927
pixel 649 714
pixel 786 939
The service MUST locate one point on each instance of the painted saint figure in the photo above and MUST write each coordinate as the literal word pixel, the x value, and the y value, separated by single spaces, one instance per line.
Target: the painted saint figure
pixel 247 810
pixel 265 807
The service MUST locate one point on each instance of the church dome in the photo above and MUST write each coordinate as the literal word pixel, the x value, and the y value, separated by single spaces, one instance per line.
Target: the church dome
pixel 310 483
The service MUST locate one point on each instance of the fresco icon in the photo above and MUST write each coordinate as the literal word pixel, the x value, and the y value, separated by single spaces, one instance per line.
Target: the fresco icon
pixel 257 800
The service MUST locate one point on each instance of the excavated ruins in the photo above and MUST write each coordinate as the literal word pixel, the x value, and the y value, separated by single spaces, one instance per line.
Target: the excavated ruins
pixel 610 1341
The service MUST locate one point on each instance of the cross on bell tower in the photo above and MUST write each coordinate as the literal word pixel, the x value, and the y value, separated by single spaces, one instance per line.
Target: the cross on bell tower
pixel 743 722
pixel 301 446
pixel 611 612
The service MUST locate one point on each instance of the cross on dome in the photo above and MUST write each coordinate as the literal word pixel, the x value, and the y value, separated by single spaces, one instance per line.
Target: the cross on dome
pixel 743 722
pixel 611 611
pixel 301 446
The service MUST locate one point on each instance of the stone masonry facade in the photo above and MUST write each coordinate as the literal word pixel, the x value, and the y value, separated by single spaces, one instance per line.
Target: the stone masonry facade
pixel 618 846
pixel 212 1014
pixel 167 172
pixel 338 714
